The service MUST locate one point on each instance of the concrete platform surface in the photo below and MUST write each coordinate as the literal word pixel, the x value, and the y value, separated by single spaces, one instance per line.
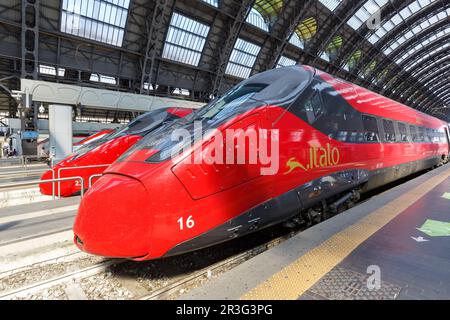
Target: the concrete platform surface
pixel 33 220
pixel 394 246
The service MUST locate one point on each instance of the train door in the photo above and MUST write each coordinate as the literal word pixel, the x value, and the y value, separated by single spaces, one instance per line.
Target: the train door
pixel 447 136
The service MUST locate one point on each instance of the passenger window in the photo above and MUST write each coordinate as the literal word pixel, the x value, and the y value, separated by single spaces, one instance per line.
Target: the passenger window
pixel 421 134
pixel 413 131
pixel 434 136
pixel 371 132
pixel 313 107
pixel 403 132
pixel 428 135
pixel 389 131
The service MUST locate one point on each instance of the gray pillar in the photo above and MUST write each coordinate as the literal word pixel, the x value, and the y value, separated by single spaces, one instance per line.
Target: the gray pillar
pixel 60 129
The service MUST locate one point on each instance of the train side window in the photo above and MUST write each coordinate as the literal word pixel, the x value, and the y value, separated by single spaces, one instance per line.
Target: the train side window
pixel 403 132
pixel 371 132
pixel 421 134
pixel 389 131
pixel 313 107
pixel 428 135
pixel 413 131
pixel 308 106
pixel 437 138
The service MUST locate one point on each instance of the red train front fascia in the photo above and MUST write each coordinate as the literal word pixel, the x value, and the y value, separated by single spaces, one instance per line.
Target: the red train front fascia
pixel 95 156
pixel 144 209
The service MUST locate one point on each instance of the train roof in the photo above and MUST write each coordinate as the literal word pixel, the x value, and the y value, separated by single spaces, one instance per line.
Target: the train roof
pixel 369 102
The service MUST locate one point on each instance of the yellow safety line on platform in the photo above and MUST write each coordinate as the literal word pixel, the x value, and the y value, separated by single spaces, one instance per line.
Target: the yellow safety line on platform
pixel 296 278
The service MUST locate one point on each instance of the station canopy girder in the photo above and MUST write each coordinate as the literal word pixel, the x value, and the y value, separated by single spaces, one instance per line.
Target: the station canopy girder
pixel 188 48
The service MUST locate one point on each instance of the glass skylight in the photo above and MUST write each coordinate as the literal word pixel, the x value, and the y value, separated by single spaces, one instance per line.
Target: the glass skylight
pixel 331 4
pixel 150 87
pixel 417 29
pixel 242 59
pixel 51 71
pixel 286 62
pixel 365 12
pixel 400 17
pixel 422 45
pixel 431 77
pixel 181 92
pixel 305 31
pixel 99 20
pixel 264 13
pixel 102 78
pixel 255 18
pixel 324 56
pixel 214 3
pixel 295 40
pixel 185 40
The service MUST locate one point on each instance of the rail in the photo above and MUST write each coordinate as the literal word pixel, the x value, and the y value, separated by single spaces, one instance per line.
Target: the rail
pixel 20 160
pixel 37 182
pixel 73 168
pixel 93 177
pixel 21 173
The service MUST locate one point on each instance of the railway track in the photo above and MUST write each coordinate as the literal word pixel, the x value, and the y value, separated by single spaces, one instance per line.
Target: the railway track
pixel 176 284
pixel 58 280
pixel 175 287
pixel 67 280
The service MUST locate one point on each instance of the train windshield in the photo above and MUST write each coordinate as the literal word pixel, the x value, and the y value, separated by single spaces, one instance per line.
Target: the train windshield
pixel 140 126
pixel 234 101
pixel 279 86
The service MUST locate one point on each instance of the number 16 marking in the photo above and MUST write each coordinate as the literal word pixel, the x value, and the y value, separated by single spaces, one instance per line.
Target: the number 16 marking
pixel 190 223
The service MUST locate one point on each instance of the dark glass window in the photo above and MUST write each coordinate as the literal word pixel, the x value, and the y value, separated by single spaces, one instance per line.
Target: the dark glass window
pixel 403 132
pixel 231 104
pixel 428 135
pixel 371 132
pixel 413 131
pixel 338 119
pixel 389 131
pixel 421 134
pixel 313 107
pixel 432 135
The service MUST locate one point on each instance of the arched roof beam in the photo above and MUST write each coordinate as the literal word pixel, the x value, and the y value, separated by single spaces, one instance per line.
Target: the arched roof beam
pixel 335 25
pixel 234 28
pixel 422 75
pixel 415 94
pixel 403 27
pixel 413 59
pixel 429 73
pixel 442 90
pixel 425 34
pixel 360 36
pixel 292 20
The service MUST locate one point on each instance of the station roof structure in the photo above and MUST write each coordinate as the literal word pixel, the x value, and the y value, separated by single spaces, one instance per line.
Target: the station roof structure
pixel 196 49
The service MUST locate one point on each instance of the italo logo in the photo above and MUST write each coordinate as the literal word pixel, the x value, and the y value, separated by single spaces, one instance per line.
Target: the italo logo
pixel 318 158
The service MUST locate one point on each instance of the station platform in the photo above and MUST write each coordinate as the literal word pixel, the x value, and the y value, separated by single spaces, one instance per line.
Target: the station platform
pixel 394 246
pixel 18 223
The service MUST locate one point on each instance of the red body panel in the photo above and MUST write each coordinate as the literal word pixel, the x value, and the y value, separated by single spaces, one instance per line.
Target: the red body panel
pixel 103 155
pixel 93 137
pixel 169 199
pixel 212 195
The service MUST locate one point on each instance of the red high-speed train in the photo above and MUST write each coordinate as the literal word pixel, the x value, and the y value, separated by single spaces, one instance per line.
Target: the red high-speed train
pixel 104 151
pixel 336 140
pixel 92 138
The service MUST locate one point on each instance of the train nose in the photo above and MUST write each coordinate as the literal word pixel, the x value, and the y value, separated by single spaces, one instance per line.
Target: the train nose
pixel 113 219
